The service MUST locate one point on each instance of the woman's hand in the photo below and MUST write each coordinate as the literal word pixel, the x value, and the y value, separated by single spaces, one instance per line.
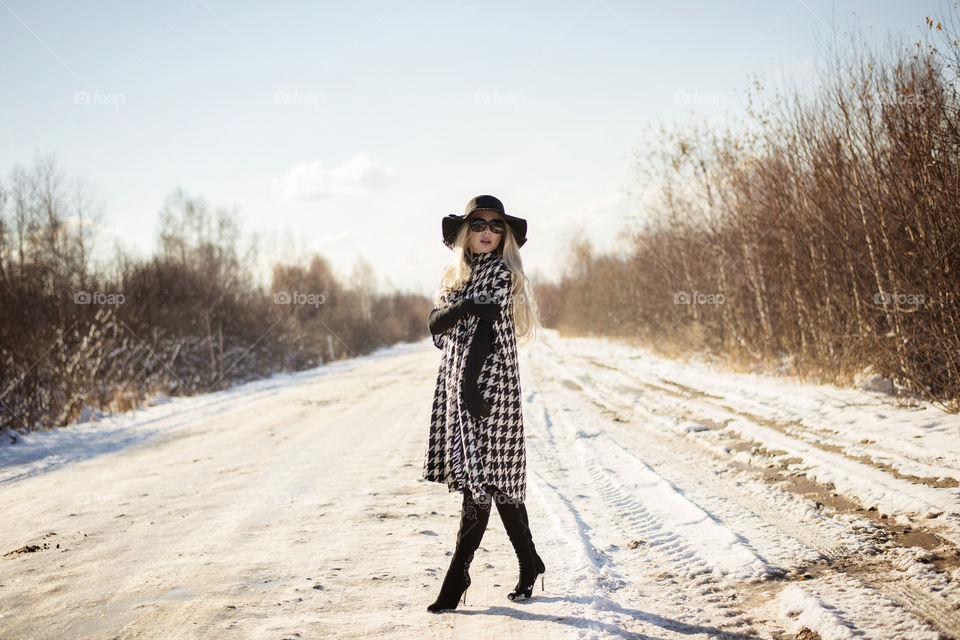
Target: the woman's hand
pixel 489 311
pixel 443 319
pixel 476 405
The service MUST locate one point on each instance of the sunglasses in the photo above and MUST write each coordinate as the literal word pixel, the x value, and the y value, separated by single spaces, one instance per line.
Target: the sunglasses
pixel 479 224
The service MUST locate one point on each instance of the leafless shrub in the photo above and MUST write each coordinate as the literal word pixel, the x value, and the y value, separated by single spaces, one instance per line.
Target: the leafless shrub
pixel 824 234
pixel 75 340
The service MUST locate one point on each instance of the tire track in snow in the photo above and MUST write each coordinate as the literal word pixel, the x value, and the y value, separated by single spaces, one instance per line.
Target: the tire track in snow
pixel 667 443
pixel 829 460
pixel 704 411
pixel 875 574
pixel 706 596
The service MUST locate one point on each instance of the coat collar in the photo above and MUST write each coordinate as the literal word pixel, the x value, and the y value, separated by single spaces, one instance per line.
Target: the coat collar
pixel 479 258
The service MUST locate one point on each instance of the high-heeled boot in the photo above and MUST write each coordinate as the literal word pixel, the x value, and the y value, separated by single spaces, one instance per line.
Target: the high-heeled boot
pixel 526 524
pixel 515 521
pixel 474 516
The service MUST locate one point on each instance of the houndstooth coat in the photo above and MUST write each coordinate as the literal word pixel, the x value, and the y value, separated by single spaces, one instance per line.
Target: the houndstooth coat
pixel 461 450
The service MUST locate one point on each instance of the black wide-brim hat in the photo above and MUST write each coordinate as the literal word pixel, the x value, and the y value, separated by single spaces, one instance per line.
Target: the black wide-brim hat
pixel 451 222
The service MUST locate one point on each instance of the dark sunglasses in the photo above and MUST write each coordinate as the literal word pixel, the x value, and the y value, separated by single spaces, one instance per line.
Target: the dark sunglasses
pixel 479 224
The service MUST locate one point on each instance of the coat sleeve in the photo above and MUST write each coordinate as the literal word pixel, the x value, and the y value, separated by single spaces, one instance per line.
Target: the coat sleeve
pixel 441 320
pixel 503 329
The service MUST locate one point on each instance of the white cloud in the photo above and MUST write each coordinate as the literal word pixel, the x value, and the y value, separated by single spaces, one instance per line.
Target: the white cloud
pixel 311 181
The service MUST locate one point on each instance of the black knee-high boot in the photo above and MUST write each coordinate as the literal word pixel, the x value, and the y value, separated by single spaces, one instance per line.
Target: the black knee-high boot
pixel 474 515
pixel 533 548
pixel 515 521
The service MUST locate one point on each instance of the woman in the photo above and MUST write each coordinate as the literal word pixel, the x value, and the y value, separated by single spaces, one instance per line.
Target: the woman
pixel 483 306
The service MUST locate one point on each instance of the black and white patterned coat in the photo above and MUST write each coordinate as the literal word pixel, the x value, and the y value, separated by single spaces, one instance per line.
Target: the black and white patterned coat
pixel 461 450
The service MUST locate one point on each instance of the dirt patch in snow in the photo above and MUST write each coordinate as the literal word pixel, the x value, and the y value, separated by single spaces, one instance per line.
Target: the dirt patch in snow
pixel 943 555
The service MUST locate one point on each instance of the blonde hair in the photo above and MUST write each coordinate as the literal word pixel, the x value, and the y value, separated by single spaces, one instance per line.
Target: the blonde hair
pixel 524 309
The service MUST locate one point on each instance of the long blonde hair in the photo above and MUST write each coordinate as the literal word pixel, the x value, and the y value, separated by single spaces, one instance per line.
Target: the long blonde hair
pixel 526 315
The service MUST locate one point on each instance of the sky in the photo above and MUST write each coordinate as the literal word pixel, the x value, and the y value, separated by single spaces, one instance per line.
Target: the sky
pixel 351 128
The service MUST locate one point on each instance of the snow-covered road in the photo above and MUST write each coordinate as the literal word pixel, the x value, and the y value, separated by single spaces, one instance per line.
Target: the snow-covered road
pixel 666 499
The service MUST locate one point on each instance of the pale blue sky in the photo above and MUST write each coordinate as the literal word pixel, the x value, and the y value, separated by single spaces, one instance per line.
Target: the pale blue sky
pixel 353 127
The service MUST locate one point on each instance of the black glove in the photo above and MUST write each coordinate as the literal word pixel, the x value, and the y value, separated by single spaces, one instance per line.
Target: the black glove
pixel 480 348
pixel 443 319
pixel 489 311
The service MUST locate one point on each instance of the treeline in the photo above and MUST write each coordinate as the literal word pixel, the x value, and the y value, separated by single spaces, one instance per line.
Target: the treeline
pixel 823 235
pixel 79 337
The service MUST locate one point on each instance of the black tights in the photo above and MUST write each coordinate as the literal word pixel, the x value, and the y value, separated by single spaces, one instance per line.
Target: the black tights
pixel 475 514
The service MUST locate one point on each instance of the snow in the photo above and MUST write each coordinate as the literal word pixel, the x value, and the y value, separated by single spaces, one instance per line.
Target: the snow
pixel 293 507
pixel 807 611
pixel 812 419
